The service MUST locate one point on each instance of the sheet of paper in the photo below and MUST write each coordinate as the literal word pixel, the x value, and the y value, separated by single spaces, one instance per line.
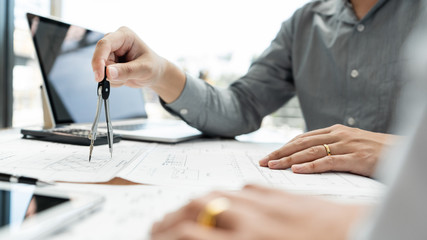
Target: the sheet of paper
pixel 128 212
pixel 201 163
pixel 231 164
pixel 204 163
pixel 65 162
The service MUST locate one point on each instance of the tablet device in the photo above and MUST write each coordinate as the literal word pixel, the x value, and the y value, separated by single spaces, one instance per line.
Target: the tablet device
pixel 29 212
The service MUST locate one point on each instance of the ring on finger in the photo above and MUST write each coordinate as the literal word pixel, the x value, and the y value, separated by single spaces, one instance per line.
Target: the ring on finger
pixel 328 150
pixel 207 217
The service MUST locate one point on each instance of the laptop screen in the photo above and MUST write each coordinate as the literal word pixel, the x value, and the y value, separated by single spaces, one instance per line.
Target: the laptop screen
pixel 65 54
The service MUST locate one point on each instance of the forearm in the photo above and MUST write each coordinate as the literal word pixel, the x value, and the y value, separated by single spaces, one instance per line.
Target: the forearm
pixel 214 111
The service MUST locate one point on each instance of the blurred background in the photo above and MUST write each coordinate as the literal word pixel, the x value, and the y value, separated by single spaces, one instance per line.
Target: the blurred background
pixel 213 40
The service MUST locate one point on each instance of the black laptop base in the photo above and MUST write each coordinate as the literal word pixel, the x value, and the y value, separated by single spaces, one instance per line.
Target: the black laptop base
pixel 70 136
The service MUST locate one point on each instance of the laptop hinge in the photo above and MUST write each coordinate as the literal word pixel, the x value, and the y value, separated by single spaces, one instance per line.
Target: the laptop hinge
pixel 48 121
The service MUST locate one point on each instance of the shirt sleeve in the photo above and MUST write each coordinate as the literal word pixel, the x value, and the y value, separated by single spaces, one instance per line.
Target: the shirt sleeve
pixel 241 107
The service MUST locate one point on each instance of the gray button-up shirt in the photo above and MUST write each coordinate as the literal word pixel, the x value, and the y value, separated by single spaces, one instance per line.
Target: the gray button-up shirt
pixel 343 70
pixel 402 213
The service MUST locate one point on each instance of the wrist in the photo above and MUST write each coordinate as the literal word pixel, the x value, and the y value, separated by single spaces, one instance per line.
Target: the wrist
pixel 170 83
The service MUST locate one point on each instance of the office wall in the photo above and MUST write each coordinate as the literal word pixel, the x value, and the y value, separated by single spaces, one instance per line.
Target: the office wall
pixel 6 62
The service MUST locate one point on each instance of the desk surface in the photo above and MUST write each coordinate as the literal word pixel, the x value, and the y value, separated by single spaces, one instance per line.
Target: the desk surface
pixel 172 174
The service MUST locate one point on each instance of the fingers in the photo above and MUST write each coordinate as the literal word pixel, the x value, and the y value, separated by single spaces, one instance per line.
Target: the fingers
pixel 226 220
pixel 314 132
pixel 189 212
pixel 191 231
pixel 325 164
pixel 299 145
pixel 120 73
pixel 258 190
pixel 307 155
pixel 119 42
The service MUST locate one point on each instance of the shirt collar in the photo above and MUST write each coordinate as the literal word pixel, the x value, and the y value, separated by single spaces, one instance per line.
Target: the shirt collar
pixel 342 9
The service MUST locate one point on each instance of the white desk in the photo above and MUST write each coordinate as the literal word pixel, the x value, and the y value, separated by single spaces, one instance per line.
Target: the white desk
pixel 178 172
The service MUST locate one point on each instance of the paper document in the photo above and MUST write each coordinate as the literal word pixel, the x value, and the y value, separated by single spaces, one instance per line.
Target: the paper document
pixel 207 163
pixel 128 212
pixel 231 164
pixel 64 162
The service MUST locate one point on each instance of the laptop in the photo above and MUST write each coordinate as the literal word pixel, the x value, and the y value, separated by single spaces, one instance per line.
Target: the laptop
pixel 65 52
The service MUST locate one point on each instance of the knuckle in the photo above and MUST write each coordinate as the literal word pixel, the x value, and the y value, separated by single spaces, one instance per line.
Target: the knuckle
pixel 301 142
pixel 330 162
pixel 313 151
pixel 284 162
pixel 298 136
pixel 363 155
pixel 312 166
pixel 102 42
pixel 194 206
pixel 274 155
pixel 127 68
pixel 342 134
pixel 288 161
pixel 123 29
pixel 104 45
pixel 126 32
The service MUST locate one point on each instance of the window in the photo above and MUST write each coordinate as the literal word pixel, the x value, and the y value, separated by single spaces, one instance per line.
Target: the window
pixel 216 40
pixel 27 108
pixel 6 62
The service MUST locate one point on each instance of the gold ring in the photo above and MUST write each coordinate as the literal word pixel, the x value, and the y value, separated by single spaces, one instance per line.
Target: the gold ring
pixel 328 151
pixel 207 217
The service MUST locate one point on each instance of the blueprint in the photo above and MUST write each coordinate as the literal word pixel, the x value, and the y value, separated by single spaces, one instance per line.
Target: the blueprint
pixel 205 163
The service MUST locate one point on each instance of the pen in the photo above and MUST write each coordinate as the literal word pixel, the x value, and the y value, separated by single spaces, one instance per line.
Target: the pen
pixel 21 179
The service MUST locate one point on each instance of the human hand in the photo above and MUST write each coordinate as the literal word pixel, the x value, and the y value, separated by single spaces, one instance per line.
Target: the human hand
pixel 261 213
pixel 352 150
pixel 132 63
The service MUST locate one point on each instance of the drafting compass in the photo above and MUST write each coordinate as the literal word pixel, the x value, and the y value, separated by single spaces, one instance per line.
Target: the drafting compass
pixel 103 92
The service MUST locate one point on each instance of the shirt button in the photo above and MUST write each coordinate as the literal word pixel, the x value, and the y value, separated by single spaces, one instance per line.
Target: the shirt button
pixel 351 121
pixel 360 27
pixel 354 73
pixel 183 111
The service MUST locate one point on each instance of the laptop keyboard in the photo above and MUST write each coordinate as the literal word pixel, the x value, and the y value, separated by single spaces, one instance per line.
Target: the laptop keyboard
pixel 138 126
pixel 76 136
pixel 74 132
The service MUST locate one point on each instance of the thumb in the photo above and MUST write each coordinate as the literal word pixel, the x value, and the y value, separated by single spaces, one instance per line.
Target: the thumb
pixel 123 71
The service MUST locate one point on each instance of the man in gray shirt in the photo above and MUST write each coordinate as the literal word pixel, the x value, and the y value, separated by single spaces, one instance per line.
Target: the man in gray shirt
pixel 257 212
pixel 341 58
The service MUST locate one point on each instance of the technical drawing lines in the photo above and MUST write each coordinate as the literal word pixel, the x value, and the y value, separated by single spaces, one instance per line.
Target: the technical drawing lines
pixel 79 163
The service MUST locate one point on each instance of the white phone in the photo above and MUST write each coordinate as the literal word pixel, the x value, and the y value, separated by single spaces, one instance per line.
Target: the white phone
pixel 30 212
